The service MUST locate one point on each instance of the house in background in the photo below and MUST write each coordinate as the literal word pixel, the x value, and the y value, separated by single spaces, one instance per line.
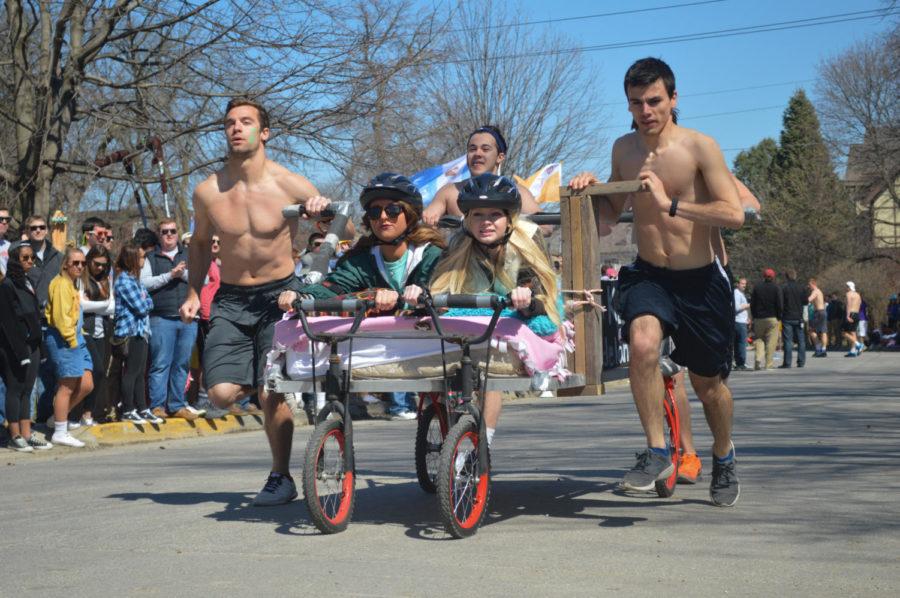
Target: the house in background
pixel 873 180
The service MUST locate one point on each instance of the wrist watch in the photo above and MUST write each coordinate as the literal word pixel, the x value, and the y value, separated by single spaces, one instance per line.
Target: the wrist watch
pixel 674 207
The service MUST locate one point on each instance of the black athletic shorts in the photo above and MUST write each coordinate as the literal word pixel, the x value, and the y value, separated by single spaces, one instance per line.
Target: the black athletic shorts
pixel 241 327
pixel 695 308
pixel 850 326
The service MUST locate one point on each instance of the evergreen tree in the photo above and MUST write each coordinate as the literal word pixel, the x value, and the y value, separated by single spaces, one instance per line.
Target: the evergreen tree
pixel 808 221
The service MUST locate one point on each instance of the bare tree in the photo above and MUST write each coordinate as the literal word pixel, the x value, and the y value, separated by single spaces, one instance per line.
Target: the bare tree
pixel 545 103
pixel 88 77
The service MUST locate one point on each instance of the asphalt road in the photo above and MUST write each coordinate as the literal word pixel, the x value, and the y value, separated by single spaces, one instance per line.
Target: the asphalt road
pixel 818 452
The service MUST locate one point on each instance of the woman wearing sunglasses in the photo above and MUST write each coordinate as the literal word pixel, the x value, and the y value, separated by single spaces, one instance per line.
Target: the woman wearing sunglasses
pixel 99 308
pixel 20 347
pixel 396 257
pixel 66 346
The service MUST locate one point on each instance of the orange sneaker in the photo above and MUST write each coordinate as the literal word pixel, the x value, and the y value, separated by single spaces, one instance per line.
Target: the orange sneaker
pixel 689 468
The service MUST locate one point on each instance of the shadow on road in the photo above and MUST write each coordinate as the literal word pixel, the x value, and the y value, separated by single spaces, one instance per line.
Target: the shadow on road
pixel 407 505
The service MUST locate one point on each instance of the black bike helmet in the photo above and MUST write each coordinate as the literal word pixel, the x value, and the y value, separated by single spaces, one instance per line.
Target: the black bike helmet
pixel 390 185
pixel 490 191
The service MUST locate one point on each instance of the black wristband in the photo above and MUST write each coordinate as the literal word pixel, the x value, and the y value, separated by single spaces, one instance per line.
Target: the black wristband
pixel 674 207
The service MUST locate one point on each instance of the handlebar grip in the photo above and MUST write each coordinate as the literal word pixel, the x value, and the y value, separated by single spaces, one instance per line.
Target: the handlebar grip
pixel 331 305
pixel 450 222
pixel 468 301
pixel 298 210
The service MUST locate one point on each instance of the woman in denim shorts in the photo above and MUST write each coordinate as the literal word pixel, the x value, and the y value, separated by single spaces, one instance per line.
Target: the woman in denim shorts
pixel 66 346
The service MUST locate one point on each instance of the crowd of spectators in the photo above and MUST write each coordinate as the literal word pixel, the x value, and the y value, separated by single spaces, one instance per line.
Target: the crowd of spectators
pixel 92 333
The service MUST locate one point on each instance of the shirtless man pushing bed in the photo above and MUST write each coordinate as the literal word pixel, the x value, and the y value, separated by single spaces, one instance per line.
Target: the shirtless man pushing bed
pixel 242 203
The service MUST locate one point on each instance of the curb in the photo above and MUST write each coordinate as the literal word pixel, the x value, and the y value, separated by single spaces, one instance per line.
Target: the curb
pixel 118 433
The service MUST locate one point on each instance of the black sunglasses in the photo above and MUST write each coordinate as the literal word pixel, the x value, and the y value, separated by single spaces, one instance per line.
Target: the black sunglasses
pixel 38 227
pixel 392 210
pixel 5 219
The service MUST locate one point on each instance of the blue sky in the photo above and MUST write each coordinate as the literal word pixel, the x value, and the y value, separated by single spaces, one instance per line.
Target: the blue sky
pixel 789 58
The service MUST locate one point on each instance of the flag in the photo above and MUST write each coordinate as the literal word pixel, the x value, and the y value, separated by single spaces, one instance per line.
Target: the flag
pixel 544 185
pixel 431 179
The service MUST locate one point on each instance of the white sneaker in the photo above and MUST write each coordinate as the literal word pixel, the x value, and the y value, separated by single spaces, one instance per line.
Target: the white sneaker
pixel 404 415
pixel 279 490
pixel 88 422
pixel 547 394
pixel 197 412
pixel 66 440
pixel 366 398
pixel 74 425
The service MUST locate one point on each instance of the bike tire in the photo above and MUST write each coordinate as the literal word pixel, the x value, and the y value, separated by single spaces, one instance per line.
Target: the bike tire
pixel 666 488
pixel 329 486
pixel 462 492
pixel 430 435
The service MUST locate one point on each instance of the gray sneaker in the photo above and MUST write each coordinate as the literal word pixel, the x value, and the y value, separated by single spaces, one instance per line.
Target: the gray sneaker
pixel 38 443
pixel 279 490
pixel 649 468
pixel 725 487
pixel 19 445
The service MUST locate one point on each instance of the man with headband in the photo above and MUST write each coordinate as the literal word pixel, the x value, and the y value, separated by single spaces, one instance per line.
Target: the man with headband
pixel 485 152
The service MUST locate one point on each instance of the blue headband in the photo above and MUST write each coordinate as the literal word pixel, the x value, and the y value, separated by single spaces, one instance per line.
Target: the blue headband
pixel 501 143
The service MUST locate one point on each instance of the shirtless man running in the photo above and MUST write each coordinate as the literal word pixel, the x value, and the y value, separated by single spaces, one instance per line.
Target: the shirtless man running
pixel 675 286
pixel 485 152
pixel 819 324
pixel 241 204
pixel 851 320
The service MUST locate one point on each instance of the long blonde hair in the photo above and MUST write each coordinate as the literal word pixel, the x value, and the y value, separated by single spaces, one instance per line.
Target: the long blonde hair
pixel 461 270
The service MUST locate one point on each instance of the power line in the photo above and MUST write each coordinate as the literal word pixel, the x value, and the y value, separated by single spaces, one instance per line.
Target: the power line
pixel 599 15
pixel 715 34
pixel 714 114
pixel 721 91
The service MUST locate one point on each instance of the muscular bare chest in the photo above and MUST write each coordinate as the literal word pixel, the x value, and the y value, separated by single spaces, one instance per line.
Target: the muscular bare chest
pixel 675 167
pixel 254 211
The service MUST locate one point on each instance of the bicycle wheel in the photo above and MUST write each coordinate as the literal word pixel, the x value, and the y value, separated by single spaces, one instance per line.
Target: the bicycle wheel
pixel 328 484
pixel 463 492
pixel 432 429
pixel 666 488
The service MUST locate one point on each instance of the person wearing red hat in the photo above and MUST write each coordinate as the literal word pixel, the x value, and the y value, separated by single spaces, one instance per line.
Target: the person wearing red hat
pixel 766 307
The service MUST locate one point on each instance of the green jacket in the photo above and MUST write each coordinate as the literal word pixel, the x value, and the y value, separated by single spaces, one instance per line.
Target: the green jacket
pixel 363 271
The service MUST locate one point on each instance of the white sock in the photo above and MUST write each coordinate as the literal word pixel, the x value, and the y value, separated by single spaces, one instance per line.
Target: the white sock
pixel 61 428
pixel 490 435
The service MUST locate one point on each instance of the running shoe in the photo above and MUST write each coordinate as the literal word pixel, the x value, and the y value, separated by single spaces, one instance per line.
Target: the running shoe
pixel 134 417
pixel 404 415
pixel 38 443
pixel 20 445
pixel 88 422
pixel 279 490
pixel 74 425
pixel 725 487
pixel 649 468
pixel 66 439
pixel 148 415
pixel 689 468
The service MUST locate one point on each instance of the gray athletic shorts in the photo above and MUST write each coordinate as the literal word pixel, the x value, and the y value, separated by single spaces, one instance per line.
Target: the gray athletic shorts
pixel 820 322
pixel 241 326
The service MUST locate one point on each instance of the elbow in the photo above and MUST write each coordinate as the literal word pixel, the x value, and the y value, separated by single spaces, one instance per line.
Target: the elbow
pixel 735 219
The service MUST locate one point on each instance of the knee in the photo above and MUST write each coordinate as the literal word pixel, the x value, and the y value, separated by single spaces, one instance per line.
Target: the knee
pixel 222 396
pixel 643 351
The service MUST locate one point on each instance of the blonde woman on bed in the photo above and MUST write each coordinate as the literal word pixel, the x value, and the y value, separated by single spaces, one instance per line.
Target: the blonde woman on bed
pixel 497 252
